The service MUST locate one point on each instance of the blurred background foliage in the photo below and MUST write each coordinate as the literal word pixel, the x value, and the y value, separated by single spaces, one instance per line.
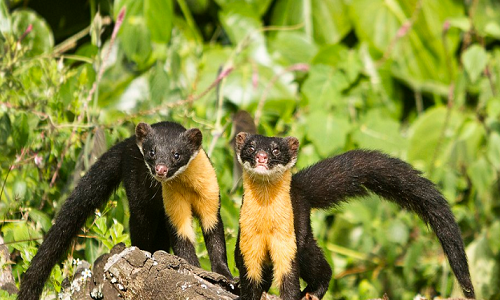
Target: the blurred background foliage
pixel 418 79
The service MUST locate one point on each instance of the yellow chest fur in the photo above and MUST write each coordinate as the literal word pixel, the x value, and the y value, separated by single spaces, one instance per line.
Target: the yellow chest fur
pixel 267 228
pixel 194 190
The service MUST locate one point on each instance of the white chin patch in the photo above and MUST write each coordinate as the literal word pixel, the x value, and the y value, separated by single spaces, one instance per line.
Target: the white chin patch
pixel 261 168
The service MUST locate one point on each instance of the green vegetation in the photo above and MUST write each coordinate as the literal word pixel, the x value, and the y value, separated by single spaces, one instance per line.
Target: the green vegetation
pixel 418 79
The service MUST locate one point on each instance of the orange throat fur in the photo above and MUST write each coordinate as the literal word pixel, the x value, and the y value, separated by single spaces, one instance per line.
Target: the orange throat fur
pixel 267 226
pixel 194 190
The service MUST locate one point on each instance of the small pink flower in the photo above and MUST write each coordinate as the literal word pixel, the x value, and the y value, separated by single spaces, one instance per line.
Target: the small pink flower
pixel 38 160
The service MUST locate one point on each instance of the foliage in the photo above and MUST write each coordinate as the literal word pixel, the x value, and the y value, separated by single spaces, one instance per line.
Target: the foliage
pixel 417 79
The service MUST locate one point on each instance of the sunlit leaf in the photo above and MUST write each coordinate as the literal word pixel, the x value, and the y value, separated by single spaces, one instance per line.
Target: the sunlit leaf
pixel 327 132
pixel 474 60
pixel 40 39
pixel 159 15
pixel 323 86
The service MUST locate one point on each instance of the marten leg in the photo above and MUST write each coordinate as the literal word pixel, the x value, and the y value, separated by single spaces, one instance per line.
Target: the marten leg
pixel 250 290
pixel 290 284
pixel 314 269
pixel 216 247
pixel 182 246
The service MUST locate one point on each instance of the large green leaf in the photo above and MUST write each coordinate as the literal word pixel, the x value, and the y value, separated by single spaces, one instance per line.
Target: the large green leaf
pixel 40 39
pixel 159 15
pixel 474 60
pixel 328 132
pixel 486 18
pixel 325 21
pixel 4 18
pixel 429 138
pixel 135 40
pixel 378 131
pixel 323 87
pixel 339 56
pixel 5 128
pixel 293 47
pixel 20 131
pixel 493 153
pixel 482 174
pixel 241 20
pixel 260 6
pixel 485 269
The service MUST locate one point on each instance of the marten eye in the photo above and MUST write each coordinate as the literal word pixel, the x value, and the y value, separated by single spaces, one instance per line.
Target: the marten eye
pixel 177 155
pixel 152 152
pixel 276 151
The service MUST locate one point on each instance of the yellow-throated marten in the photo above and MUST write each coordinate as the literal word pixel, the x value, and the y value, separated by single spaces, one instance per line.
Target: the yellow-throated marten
pixel 275 240
pixel 164 152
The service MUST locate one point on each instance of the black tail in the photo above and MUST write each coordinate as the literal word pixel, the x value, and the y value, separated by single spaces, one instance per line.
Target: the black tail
pixel 356 173
pixel 93 189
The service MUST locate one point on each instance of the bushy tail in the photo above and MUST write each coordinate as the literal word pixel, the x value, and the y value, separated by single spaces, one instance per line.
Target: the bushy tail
pixel 93 189
pixel 356 173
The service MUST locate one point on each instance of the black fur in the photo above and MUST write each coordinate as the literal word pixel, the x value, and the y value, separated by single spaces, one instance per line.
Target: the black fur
pixel 339 179
pixel 149 228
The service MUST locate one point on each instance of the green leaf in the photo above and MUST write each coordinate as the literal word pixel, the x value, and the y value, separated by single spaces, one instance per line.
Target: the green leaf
pixel 40 40
pixel 240 19
pixel 493 29
pixel 4 18
pixel 330 21
pixel 294 47
pixel 398 232
pixel 378 131
pixel 159 16
pixel 42 218
pixel 474 60
pixel 411 260
pixel 463 23
pixel 339 56
pixel 101 227
pixel 328 133
pixel 482 174
pixel 323 86
pixel 486 17
pixel 133 8
pixel 21 131
pixel 427 139
pixel 418 53
pixel 325 21
pixel 493 150
pixel 484 268
pixel 5 128
pixel 258 5
pixel 135 39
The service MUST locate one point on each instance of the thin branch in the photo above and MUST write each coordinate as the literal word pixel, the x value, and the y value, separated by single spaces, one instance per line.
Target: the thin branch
pixel 190 99
pixel 71 42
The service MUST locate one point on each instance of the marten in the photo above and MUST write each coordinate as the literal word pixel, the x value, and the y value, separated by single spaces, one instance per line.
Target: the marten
pixel 275 239
pixel 160 214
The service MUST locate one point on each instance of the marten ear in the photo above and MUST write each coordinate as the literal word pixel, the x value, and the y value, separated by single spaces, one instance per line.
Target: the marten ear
pixel 293 145
pixel 141 131
pixel 194 137
pixel 240 140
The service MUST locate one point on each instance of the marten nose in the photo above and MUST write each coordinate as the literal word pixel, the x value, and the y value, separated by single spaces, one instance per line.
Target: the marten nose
pixel 262 157
pixel 161 170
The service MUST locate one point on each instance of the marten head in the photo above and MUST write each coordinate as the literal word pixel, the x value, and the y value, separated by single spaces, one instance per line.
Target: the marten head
pixel 167 148
pixel 263 156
